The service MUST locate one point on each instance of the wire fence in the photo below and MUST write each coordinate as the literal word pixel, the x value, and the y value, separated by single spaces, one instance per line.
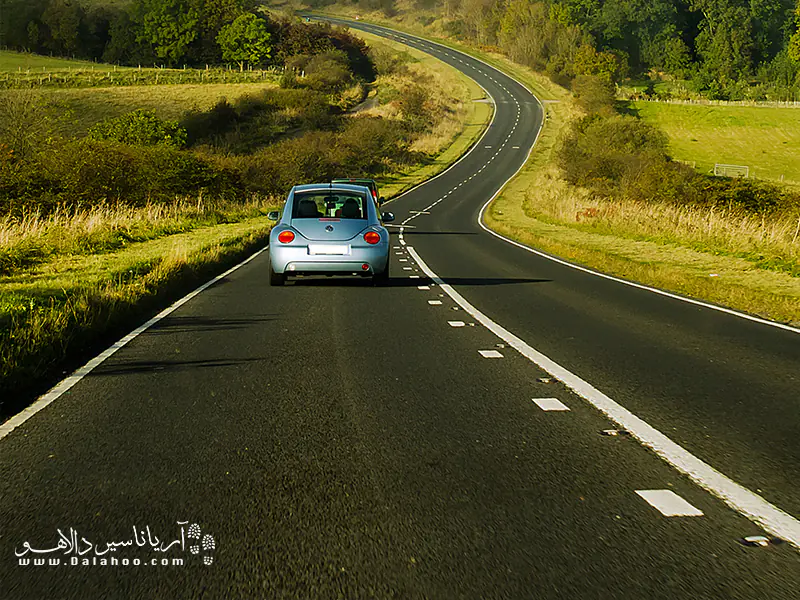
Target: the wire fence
pixel 704 102
pixel 83 77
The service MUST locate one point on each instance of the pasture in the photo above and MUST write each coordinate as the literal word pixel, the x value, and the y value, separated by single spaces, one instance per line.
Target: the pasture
pixel 81 108
pixel 767 139
pixel 21 61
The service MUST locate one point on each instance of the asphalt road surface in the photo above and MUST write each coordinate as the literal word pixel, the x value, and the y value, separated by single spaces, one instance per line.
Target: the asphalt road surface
pixel 328 439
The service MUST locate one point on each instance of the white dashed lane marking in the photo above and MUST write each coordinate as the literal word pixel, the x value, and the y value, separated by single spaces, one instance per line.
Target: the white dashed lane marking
pixel 669 504
pixel 423 287
pixel 456 323
pixel 490 354
pixel 549 404
pixel 435 302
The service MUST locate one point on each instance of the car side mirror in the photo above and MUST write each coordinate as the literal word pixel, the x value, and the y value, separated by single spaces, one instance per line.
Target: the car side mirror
pixel 387 217
pixel 274 215
pixel 381 200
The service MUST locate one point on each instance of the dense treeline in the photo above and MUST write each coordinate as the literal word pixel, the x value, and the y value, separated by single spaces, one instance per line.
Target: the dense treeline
pixel 726 48
pixel 170 32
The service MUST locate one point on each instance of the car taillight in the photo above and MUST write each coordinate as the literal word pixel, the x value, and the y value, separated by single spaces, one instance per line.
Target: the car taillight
pixel 372 237
pixel 286 236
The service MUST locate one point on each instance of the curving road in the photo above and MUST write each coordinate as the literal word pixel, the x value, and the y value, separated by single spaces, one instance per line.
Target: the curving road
pixel 338 440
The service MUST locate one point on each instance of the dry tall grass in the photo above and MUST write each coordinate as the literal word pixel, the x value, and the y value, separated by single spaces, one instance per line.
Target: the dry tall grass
pixel 34 238
pixel 771 242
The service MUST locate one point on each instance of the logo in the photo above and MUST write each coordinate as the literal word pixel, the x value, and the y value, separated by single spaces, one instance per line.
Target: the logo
pixel 328 228
pixel 143 548
pixel 206 543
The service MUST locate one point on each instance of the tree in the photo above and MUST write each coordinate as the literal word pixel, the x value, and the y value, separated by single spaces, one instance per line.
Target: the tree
pixel 123 45
pixel 169 26
pixel 793 48
pixel 15 15
pixel 214 15
pixel 246 40
pixel 604 65
pixel 63 19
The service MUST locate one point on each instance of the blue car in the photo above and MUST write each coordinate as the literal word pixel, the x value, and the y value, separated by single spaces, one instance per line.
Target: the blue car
pixel 329 229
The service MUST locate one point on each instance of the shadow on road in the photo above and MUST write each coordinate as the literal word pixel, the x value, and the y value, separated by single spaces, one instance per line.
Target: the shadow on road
pixel 159 366
pixel 411 232
pixel 408 282
pixel 196 324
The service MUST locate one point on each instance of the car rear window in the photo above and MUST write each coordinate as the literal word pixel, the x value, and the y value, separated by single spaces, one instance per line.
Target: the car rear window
pixel 318 205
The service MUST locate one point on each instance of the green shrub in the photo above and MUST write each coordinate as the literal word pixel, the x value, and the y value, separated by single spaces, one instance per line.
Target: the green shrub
pixel 89 171
pixel 142 128
pixel 414 105
pixel 594 94
pixel 387 60
pixel 599 152
pixel 288 80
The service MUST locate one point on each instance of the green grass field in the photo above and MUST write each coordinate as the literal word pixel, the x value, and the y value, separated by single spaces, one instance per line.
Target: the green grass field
pixel 16 61
pixel 87 106
pixel 765 139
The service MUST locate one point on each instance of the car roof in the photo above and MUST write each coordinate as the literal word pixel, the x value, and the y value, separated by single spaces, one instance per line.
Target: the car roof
pixel 344 187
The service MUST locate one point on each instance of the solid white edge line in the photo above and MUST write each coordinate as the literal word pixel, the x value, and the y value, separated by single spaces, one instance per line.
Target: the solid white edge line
pixel 771 518
pixel 640 286
pixel 66 384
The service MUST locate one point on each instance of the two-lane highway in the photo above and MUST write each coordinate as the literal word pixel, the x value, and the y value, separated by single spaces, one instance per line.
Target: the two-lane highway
pixel 339 440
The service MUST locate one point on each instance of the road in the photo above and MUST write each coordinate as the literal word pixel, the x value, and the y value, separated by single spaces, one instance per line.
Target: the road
pixel 339 440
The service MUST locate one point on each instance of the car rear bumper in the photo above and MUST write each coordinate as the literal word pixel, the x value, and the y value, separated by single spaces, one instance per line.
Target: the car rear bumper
pixel 296 260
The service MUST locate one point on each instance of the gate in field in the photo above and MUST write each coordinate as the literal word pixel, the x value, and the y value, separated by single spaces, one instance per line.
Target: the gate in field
pixel 721 170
